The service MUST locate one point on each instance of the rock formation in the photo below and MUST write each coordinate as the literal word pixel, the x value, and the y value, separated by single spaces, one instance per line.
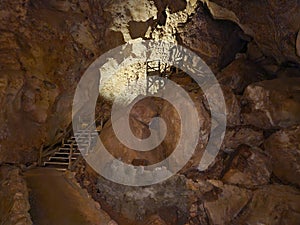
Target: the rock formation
pixel 253 48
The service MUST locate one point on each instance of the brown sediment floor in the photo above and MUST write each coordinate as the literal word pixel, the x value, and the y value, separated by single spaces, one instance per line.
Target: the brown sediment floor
pixel 55 200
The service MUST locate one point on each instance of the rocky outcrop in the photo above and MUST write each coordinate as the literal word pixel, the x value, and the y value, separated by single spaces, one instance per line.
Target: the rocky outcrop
pixel 235 205
pixel 239 74
pixel 230 202
pixel 283 147
pixel 272 103
pixel 264 21
pixel 173 196
pixel 45 47
pixel 140 117
pixel 251 167
pixel 242 135
pixel 273 204
pixel 14 205
pixel 216 42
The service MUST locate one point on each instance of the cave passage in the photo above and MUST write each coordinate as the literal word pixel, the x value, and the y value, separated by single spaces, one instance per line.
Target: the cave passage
pixel 56 200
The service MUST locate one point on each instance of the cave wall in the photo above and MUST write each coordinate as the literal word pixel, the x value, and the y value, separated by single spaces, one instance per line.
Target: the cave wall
pixel 45 48
pixel 47 45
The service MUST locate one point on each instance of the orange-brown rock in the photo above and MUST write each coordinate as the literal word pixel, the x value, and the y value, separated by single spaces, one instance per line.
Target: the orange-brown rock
pixel 273 103
pixel 239 74
pixel 217 43
pixel 251 167
pixel 273 24
pixel 272 204
pixel 283 147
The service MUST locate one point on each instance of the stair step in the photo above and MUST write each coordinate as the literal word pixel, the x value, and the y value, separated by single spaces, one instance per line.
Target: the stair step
pixel 56 163
pixel 63 149
pixel 66 144
pixel 61 169
pixel 66 153
pixel 67 150
pixel 60 158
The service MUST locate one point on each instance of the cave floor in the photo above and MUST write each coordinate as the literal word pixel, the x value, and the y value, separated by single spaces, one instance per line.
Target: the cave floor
pixel 56 200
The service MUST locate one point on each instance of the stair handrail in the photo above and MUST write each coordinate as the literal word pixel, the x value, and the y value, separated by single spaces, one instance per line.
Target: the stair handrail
pixel 49 150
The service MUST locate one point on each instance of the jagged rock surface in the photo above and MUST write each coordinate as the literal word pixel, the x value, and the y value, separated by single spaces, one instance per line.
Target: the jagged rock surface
pixel 283 146
pixel 14 207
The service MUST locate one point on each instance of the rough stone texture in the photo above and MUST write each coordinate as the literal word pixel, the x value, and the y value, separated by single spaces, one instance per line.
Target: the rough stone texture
pixel 155 220
pixel 140 116
pixel 229 204
pixel 14 204
pixel 273 103
pixel 170 200
pixel 124 12
pixel 217 43
pixel 239 74
pixel 273 204
pixel 284 148
pixel 264 21
pixel 171 117
pixel 45 47
pixel 242 135
pixel 288 72
pixel 232 104
pixel 251 167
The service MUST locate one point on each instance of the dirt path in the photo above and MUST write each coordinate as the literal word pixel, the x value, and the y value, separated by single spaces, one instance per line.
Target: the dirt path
pixel 55 200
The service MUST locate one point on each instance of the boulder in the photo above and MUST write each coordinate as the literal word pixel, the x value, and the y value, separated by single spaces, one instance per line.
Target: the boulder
pixel 155 220
pixel 216 42
pixel 272 103
pixel 284 148
pixel 229 203
pixel 239 74
pixel 14 207
pixel 288 72
pixel 272 204
pixel 251 167
pixel 272 24
pixel 139 118
pixel 234 137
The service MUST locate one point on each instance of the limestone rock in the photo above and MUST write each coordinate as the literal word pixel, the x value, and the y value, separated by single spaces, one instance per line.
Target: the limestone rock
pixel 38 96
pixel 172 118
pixel 242 135
pixel 251 167
pixel 140 117
pixel 283 146
pixel 211 40
pixel 168 199
pixel 273 103
pixel 288 72
pixel 272 24
pixel 45 47
pixel 130 10
pixel 254 53
pixel 82 34
pixel 229 204
pixel 239 74
pixel 155 220
pixel 14 205
pixel 273 204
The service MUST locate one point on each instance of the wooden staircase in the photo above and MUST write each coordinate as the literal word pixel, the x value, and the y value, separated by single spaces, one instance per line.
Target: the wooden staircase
pixel 68 154
pixel 155 73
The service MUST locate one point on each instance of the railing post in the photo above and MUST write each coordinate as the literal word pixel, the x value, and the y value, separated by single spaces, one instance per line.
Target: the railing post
pixel 70 157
